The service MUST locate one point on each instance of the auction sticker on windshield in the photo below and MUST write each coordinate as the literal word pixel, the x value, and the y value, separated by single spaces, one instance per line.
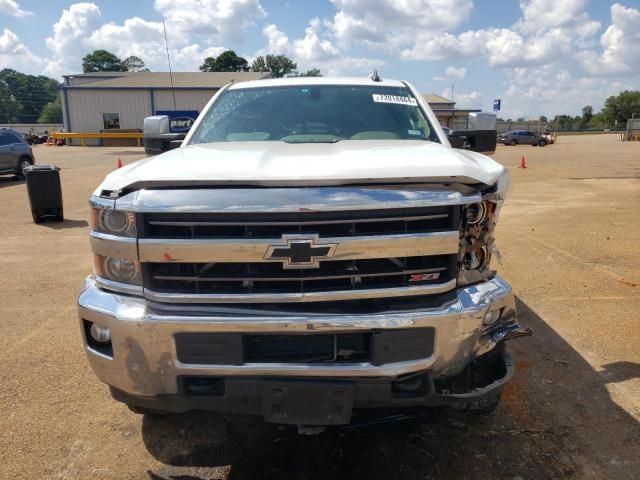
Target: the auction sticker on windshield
pixel 397 99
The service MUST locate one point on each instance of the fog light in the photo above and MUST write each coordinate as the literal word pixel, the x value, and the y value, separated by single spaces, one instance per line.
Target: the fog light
pixel 492 317
pixel 121 269
pixel 99 333
pixel 477 259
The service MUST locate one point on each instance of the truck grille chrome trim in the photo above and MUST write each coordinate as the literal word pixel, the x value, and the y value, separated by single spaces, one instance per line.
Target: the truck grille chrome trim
pixel 300 297
pixel 252 250
pixel 294 199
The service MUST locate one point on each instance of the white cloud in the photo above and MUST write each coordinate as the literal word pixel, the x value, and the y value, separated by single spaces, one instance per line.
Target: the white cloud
pixel 210 20
pixel 457 73
pixel 11 8
pixel 195 29
pixel 620 42
pixel 391 23
pixel 471 99
pixel 69 33
pixel 314 51
pixel 539 16
pixel 15 54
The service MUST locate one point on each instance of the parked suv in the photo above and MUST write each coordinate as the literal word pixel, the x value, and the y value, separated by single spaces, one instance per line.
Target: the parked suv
pixel 315 247
pixel 15 153
pixel 522 137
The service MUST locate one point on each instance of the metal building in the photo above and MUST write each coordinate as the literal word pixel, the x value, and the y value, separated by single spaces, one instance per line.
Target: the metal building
pixel 447 113
pixel 119 101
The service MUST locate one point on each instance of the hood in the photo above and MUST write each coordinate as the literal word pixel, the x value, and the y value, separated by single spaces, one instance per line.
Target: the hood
pixel 284 164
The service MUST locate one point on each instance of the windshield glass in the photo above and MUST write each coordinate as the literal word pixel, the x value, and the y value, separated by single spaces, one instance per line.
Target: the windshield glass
pixel 314 114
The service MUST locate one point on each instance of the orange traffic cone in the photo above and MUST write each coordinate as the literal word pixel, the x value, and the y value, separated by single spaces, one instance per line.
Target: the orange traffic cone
pixel 120 163
pixel 523 163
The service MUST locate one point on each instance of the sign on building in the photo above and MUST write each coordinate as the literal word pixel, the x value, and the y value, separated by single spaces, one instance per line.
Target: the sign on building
pixel 179 120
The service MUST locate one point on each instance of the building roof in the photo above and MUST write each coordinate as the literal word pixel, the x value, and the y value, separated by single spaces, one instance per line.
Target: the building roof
pixel 432 98
pixel 163 79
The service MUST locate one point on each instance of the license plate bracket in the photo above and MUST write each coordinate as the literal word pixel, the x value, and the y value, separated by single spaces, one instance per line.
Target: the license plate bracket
pixel 300 402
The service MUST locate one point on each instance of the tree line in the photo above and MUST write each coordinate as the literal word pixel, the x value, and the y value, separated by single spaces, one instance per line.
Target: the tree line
pixel 228 61
pixel 616 111
pixel 277 65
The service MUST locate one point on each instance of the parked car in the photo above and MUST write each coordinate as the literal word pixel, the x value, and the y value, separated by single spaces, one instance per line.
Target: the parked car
pixel 522 137
pixel 302 255
pixel 15 153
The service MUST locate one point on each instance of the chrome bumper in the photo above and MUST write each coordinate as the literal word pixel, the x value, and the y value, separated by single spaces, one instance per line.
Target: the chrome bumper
pixel 145 363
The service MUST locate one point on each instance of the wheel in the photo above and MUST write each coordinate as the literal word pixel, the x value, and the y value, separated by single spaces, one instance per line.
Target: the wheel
pixel 513 143
pixel 542 143
pixel 148 411
pixel 23 163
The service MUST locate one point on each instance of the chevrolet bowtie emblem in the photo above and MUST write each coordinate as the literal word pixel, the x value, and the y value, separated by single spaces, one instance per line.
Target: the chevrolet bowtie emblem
pixel 300 251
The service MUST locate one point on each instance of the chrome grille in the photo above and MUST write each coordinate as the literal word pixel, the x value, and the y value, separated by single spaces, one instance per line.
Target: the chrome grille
pixel 212 246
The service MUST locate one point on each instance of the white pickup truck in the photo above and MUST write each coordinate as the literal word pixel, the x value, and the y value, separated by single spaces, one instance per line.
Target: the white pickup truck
pixel 315 248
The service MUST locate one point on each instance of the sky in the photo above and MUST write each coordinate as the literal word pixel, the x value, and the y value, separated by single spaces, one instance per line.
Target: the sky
pixel 540 57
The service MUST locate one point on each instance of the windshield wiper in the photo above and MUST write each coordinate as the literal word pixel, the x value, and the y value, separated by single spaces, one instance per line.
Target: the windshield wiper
pixel 310 139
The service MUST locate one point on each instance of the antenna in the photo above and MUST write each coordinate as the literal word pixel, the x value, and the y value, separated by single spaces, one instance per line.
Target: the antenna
pixel 374 76
pixel 166 46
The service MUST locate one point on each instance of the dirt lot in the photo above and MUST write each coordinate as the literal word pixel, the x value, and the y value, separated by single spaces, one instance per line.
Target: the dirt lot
pixel 569 240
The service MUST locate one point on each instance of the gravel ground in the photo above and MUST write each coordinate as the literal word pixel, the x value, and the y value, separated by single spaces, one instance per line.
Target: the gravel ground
pixel 568 236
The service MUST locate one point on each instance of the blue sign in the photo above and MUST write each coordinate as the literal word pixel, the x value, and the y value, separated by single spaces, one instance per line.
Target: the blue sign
pixel 180 121
pixel 496 105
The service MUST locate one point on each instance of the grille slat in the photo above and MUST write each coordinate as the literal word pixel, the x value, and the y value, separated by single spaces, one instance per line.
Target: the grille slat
pixel 273 225
pixel 271 277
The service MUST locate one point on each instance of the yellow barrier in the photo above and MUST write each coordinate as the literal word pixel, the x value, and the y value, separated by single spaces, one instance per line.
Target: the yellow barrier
pixel 82 136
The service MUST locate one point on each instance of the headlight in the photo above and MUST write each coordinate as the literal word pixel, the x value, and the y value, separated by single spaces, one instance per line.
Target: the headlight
pixel 117 269
pixel 114 222
pixel 476 213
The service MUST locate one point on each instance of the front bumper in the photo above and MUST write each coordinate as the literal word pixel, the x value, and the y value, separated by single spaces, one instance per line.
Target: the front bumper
pixel 143 360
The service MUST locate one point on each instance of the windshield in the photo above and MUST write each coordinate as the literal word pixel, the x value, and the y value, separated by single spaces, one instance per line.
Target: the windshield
pixel 314 114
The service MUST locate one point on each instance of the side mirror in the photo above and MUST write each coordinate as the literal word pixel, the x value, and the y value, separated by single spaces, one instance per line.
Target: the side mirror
pixel 457 141
pixel 157 136
pixel 481 141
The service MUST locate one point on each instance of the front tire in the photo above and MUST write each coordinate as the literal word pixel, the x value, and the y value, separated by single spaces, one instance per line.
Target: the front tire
pixel 513 143
pixel 542 143
pixel 23 163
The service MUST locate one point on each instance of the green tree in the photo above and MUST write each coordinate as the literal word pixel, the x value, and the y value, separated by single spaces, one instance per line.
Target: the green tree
pixel 225 62
pixel 102 61
pixel 22 96
pixel 134 64
pixel 278 65
pixel 9 108
pixel 587 115
pixel 52 112
pixel 314 72
pixel 618 109
pixel 259 65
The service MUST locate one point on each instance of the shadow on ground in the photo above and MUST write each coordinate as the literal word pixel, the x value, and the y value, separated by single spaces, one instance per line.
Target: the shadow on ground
pixel 66 223
pixel 10 180
pixel 556 420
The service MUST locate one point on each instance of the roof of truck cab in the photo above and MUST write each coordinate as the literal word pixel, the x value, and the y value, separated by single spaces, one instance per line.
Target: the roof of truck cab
pixel 281 82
